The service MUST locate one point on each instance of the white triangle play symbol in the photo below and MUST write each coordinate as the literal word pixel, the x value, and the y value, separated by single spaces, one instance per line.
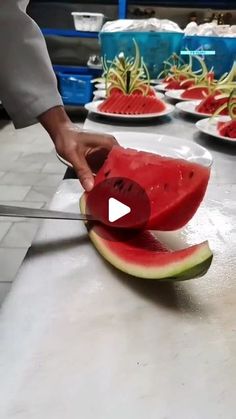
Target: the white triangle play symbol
pixel 116 210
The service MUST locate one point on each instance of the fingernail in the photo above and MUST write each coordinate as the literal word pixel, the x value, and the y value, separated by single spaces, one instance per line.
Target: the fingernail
pixel 88 184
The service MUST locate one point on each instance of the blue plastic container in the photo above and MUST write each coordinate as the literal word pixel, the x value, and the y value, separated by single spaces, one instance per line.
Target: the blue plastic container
pixel 75 89
pixel 155 47
pixel 221 50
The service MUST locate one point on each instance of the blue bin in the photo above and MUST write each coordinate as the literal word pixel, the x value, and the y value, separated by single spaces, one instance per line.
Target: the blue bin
pixel 75 89
pixel 222 51
pixel 155 47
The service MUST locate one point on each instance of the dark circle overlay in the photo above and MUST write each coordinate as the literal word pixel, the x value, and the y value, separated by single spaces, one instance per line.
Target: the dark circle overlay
pixel 128 193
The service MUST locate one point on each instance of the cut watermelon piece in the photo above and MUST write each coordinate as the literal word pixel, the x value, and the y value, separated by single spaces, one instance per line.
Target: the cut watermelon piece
pixel 174 187
pixel 179 84
pixel 145 257
pixel 173 84
pixel 134 104
pixel 185 84
pixel 195 92
pixel 211 103
pixel 227 129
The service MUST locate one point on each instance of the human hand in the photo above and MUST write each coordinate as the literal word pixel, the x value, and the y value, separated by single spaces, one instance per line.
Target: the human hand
pixel 85 150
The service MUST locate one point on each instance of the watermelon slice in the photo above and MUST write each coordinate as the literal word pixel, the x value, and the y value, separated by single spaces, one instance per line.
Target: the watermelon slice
pixel 227 129
pixel 178 84
pixel 145 257
pixel 174 187
pixel 132 104
pixel 195 92
pixel 211 103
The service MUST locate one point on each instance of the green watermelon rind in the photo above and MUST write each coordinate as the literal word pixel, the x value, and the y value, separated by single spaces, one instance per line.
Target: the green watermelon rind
pixel 193 266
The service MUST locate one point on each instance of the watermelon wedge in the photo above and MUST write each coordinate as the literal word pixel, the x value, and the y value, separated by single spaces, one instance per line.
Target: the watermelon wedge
pixel 227 129
pixel 145 257
pixel 174 187
pixel 179 84
pixel 211 103
pixel 195 92
pixel 132 104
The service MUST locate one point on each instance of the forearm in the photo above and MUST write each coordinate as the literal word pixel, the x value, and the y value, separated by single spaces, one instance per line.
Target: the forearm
pixel 54 121
pixel 28 85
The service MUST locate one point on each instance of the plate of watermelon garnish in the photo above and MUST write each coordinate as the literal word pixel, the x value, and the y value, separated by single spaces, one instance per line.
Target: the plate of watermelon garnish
pixel 175 187
pixel 179 75
pixel 204 85
pixel 207 106
pixel 129 93
pixel 222 126
pixel 209 86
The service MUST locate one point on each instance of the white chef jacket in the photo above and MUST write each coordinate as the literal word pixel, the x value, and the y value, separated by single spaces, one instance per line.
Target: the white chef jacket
pixel 28 85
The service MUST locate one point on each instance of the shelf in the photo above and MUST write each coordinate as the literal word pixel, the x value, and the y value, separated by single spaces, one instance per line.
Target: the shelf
pixel 224 4
pixel 69 33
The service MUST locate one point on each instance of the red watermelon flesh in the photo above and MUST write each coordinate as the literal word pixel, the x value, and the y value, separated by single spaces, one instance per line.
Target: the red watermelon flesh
pixel 185 84
pixel 179 84
pixel 134 104
pixel 173 84
pixel 227 129
pixel 211 103
pixel 144 256
pixel 195 92
pixel 175 187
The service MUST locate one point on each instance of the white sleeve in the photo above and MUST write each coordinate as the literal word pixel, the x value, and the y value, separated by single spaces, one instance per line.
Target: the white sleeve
pixel 28 85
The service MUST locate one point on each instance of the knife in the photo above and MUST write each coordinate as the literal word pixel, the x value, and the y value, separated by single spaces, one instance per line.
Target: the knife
pixel 11 211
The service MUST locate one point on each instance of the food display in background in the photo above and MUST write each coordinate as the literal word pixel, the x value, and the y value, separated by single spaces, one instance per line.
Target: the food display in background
pixel 219 96
pixel 199 84
pixel 180 75
pixel 228 128
pixel 175 189
pixel 128 87
pixel 211 87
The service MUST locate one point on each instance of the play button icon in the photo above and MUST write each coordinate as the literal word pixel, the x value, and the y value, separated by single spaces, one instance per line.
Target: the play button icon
pixel 119 203
pixel 117 210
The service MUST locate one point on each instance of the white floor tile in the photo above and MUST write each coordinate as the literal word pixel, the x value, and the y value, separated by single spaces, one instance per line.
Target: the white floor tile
pixel 10 261
pixel 30 179
pixel 40 193
pixel 12 192
pixel 4 227
pixel 54 167
pixel 4 290
pixel 21 234
pixel 19 166
pixel 49 179
pixel 29 175
pixel 24 179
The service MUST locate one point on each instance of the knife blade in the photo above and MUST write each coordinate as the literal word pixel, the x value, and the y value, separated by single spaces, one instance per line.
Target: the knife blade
pixel 25 212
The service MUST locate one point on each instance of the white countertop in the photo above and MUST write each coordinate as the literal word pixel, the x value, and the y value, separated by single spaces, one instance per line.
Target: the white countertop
pixel 78 339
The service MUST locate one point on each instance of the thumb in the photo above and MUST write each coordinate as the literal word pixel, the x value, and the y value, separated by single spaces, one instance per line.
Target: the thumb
pixel 84 173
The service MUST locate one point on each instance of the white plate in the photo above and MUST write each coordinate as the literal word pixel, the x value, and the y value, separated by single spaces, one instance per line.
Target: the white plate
pixel 101 94
pixel 93 107
pixel 100 86
pixel 156 81
pixel 161 87
pixel 189 106
pixel 176 94
pixel 164 145
pixel 209 126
